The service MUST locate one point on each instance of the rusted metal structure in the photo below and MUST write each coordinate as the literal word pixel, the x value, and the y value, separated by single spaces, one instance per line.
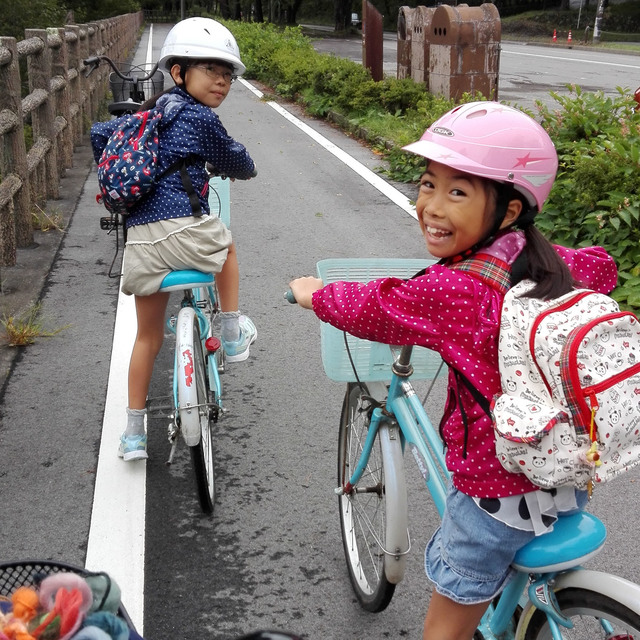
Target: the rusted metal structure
pixel 372 40
pixel 452 49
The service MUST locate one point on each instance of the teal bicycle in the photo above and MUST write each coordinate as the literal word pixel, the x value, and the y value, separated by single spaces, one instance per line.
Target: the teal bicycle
pixel 551 598
pixel 195 405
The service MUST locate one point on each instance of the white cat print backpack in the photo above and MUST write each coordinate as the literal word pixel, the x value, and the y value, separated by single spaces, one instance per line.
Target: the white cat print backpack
pixel 570 373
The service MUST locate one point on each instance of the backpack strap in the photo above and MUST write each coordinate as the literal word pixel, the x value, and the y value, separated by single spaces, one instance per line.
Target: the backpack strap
pixel 497 274
pixel 181 166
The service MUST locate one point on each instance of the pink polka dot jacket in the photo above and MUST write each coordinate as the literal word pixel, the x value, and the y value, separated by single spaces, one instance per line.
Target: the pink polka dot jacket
pixel 458 315
pixel 188 129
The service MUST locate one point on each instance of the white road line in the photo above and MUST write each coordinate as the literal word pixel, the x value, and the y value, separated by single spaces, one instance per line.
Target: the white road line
pixel 372 178
pixel 564 59
pixel 116 541
pixel 117 531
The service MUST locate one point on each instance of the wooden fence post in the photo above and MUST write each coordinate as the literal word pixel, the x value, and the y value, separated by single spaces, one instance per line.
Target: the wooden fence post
pixel 60 87
pixel 15 201
pixel 44 137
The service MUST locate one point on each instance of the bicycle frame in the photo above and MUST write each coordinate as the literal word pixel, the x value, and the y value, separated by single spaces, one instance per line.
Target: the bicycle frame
pixel 404 409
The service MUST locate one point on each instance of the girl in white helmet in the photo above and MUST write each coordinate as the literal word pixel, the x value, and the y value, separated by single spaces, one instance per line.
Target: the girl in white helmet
pixel 489 170
pixel 171 229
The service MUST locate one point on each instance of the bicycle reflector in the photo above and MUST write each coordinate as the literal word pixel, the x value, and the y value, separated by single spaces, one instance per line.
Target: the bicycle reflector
pixel 212 344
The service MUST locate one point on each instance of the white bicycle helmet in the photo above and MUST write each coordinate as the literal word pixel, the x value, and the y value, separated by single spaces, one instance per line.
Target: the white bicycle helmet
pixel 201 38
pixel 492 140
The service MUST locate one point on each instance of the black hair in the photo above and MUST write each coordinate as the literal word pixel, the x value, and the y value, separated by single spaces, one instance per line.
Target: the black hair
pixel 538 261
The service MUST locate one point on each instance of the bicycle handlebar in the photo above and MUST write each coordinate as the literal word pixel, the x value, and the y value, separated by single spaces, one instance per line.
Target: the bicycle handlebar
pixel 213 171
pixel 93 62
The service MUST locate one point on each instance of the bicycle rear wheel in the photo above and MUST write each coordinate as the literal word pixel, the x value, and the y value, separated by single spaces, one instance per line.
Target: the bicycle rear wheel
pixel 197 407
pixel 373 516
pixel 594 615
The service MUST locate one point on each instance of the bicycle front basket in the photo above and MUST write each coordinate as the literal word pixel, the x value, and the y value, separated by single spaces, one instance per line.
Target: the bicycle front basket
pixel 23 573
pixel 372 360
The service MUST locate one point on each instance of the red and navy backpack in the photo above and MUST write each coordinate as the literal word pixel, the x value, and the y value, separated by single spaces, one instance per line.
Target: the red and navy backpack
pixel 128 167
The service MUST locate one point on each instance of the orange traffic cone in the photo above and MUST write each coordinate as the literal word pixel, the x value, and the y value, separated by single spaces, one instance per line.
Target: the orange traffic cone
pixel 555 37
pixel 569 38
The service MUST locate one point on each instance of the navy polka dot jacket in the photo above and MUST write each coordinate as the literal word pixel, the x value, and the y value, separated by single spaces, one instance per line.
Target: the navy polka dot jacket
pixel 188 129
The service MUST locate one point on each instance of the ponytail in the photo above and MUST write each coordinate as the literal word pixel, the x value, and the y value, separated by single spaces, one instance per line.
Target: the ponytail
pixel 545 267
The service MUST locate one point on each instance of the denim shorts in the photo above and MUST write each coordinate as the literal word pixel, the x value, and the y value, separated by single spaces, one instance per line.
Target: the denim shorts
pixel 469 557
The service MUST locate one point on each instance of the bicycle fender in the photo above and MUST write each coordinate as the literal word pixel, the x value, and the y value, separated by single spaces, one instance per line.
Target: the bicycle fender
pixel 614 587
pixel 187 394
pixel 397 534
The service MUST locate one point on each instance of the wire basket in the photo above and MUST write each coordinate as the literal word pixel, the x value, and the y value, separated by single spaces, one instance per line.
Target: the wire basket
pixel 30 573
pixel 372 360
pixel 123 90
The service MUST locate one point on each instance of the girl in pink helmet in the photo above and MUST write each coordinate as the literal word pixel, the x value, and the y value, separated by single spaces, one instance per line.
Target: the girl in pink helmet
pixel 489 171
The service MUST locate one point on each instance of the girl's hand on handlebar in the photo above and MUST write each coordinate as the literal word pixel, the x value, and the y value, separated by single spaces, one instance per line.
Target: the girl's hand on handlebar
pixel 304 288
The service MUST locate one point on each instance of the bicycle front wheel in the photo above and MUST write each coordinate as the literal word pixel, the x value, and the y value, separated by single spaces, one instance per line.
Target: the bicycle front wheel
pixel 373 516
pixel 594 615
pixel 197 408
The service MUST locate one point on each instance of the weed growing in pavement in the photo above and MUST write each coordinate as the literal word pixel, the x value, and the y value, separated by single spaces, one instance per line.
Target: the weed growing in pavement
pixel 42 220
pixel 22 330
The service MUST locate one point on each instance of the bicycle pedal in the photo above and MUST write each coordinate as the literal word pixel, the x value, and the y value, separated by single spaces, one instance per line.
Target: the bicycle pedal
pixel 172 321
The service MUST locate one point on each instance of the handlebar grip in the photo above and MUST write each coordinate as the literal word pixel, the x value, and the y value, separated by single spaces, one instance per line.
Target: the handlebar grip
pixel 289 297
pixel 91 64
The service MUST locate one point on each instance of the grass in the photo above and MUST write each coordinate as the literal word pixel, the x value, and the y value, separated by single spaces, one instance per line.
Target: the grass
pixel 24 329
pixel 43 221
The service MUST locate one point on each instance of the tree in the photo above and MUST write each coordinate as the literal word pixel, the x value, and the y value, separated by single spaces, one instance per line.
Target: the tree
pixel 342 15
pixel 18 15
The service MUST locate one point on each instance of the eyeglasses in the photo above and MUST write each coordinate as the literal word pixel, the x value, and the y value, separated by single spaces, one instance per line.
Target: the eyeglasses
pixel 216 72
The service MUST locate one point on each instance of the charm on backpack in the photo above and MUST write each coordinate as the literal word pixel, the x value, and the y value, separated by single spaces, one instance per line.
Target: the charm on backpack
pixel 570 371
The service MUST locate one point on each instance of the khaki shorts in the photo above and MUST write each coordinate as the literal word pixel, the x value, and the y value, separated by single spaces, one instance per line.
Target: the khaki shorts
pixel 153 250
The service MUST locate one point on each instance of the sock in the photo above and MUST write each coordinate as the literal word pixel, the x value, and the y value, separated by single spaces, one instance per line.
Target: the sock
pixel 135 422
pixel 229 326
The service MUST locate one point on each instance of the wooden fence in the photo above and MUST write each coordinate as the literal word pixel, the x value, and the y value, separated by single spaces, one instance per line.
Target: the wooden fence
pixel 56 113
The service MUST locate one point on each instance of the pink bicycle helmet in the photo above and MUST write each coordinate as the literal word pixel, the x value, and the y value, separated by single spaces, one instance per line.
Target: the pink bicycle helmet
pixel 491 140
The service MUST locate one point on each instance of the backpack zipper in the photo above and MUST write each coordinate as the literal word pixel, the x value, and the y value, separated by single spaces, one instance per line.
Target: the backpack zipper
pixel 534 328
pixel 574 376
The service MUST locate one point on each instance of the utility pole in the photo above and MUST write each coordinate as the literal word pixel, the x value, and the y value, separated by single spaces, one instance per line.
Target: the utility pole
pixel 597 27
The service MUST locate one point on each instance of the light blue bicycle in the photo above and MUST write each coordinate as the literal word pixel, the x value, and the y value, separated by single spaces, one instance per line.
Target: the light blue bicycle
pixel 552 596
pixel 196 402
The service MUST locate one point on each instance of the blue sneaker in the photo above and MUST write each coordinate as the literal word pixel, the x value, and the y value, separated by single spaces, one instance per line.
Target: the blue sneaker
pixel 133 447
pixel 238 350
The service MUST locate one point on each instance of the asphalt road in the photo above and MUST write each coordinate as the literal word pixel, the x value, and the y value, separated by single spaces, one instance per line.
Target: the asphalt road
pixel 271 555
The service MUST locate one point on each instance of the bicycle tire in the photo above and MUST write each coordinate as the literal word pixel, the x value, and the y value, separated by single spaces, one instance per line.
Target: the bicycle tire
pixel 375 513
pixel 586 609
pixel 196 407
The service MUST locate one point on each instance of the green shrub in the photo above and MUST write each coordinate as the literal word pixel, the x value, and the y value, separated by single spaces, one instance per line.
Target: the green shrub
pixel 596 195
